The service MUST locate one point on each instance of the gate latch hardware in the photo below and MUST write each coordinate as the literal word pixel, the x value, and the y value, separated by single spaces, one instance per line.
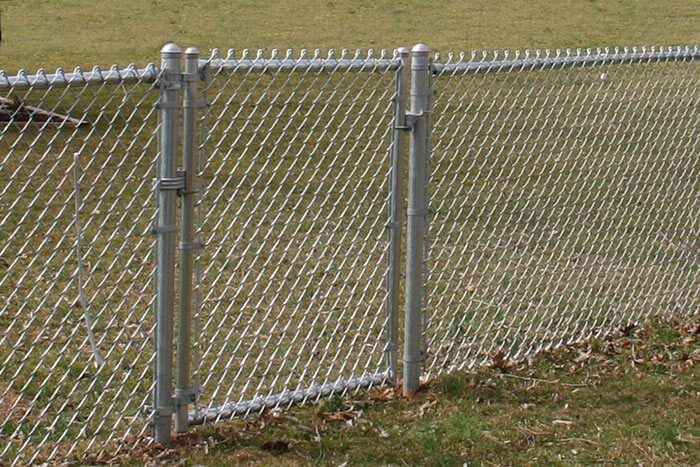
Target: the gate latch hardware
pixel 173 183
pixel 409 121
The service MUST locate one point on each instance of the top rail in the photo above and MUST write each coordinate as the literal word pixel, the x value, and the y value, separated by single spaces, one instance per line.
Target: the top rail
pixel 544 60
pixel 355 62
pixel 522 61
pixel 302 66
pixel 78 78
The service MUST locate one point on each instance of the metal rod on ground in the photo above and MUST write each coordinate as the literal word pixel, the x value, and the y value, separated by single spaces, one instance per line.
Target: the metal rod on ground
pixel 165 230
pixel 417 212
pixel 396 214
pixel 184 392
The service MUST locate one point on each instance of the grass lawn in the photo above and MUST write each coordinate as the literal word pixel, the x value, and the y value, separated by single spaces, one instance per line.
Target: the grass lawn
pixel 627 399
pixel 68 33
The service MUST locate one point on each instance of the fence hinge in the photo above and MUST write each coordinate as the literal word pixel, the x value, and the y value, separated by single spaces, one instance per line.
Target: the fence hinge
pixel 159 415
pixel 167 105
pixel 186 396
pixel 192 246
pixel 195 104
pixel 409 121
pixel 417 359
pixel 157 229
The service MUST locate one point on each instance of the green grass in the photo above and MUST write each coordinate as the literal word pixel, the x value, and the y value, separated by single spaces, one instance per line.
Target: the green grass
pixel 70 32
pixel 628 398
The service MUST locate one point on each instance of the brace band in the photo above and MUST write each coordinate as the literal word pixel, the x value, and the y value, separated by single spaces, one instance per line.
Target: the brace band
pixel 191 245
pixel 167 105
pixel 418 212
pixel 195 104
pixel 163 229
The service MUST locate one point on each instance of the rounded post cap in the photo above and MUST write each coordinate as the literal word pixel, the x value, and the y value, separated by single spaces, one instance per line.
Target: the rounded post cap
pixel 402 51
pixel 192 51
pixel 420 49
pixel 170 49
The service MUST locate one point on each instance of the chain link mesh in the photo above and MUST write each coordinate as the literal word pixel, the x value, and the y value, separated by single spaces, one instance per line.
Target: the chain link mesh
pixel 296 165
pixel 564 192
pixel 563 195
pixel 76 205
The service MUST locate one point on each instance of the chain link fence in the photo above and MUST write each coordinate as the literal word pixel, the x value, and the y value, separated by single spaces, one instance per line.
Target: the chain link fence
pixel 550 197
pixel 564 196
pixel 76 164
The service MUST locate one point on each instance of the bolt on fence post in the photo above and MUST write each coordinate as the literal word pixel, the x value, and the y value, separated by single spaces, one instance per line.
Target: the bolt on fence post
pixel 417 212
pixel 396 214
pixel 184 392
pixel 165 230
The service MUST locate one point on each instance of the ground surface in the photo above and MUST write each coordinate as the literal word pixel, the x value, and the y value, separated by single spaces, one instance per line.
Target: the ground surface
pixel 630 398
pixel 68 33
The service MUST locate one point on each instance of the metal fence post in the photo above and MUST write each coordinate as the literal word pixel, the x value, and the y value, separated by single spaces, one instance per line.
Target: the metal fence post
pixel 165 230
pixel 184 392
pixel 396 214
pixel 419 121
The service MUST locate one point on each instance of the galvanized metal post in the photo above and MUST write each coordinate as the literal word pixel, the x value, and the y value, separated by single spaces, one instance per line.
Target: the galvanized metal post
pixel 396 214
pixel 184 392
pixel 417 211
pixel 165 230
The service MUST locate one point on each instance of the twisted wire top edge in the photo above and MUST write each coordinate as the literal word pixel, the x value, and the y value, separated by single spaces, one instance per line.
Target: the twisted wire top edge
pixel 506 61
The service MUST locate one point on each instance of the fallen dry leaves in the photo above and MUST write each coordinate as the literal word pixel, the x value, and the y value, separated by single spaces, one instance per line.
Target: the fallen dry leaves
pixel 624 350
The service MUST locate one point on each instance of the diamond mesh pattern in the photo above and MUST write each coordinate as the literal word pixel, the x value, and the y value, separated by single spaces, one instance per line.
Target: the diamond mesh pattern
pixel 563 193
pixel 295 173
pixel 564 200
pixel 56 401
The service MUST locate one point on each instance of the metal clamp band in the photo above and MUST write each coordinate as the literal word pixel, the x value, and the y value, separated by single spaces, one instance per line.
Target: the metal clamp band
pixel 418 212
pixel 191 77
pixel 163 229
pixel 191 245
pixel 422 92
pixel 167 105
pixel 195 104
pixel 393 225
pixel 421 358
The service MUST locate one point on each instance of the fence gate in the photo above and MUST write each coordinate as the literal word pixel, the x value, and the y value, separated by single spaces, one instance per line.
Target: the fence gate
pixel 291 218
